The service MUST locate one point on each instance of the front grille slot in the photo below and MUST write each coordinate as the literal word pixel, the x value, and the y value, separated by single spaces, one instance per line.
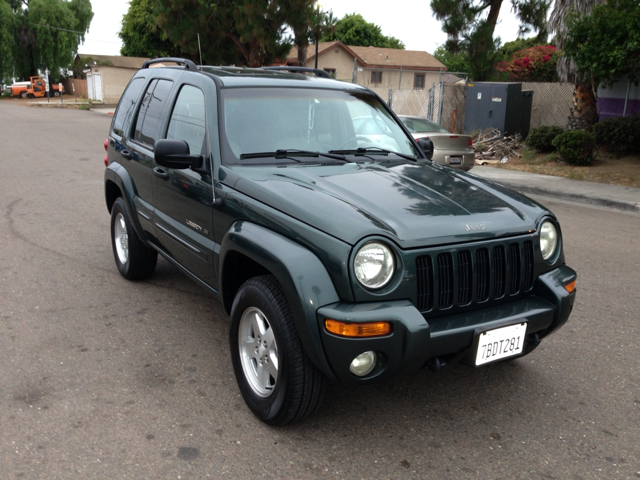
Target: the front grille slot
pixel 465 277
pixel 484 274
pixel 445 280
pixel 474 275
pixel 514 263
pixel 528 266
pixel 425 283
pixel 499 271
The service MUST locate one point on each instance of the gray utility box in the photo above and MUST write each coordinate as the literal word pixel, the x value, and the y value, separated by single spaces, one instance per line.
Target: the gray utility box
pixel 498 105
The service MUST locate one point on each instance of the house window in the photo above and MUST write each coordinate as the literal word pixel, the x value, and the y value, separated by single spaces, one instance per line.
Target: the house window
pixel 418 81
pixel 376 77
pixel 330 71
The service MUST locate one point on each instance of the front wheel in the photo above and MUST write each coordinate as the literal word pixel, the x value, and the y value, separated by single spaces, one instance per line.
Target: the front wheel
pixel 134 260
pixel 23 94
pixel 277 380
pixel 56 93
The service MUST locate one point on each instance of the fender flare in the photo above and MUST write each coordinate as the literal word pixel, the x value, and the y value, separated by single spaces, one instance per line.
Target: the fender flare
pixel 303 277
pixel 118 175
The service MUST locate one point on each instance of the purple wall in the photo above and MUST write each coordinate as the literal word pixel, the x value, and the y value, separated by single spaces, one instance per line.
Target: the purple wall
pixel 611 100
pixel 613 107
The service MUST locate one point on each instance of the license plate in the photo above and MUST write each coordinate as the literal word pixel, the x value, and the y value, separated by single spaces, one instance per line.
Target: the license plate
pixel 455 160
pixel 500 343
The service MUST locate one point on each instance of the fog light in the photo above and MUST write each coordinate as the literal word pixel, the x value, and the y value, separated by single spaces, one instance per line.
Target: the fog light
pixel 363 364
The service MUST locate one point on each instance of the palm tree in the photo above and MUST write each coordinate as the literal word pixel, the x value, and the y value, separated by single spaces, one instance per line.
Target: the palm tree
pixel 308 23
pixel 584 112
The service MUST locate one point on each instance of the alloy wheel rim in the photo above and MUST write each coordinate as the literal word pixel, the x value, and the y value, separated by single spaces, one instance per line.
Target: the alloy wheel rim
pixel 121 238
pixel 258 352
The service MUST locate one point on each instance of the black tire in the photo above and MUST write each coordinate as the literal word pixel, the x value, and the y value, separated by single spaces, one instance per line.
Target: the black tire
pixel 56 93
pixel 23 94
pixel 134 260
pixel 298 388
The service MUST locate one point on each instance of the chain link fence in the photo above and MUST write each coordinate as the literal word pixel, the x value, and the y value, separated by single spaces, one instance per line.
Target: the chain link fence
pixel 444 103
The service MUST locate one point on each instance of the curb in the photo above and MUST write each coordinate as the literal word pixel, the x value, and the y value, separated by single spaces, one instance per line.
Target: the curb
pixel 591 200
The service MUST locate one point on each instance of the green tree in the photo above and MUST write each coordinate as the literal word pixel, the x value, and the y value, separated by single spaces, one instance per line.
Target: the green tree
pixel 41 34
pixel 353 29
pixel 455 62
pixel 605 45
pixel 470 24
pixel 249 32
pixel 140 37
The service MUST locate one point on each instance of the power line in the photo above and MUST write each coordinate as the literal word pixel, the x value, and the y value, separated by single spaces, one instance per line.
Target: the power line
pixel 56 28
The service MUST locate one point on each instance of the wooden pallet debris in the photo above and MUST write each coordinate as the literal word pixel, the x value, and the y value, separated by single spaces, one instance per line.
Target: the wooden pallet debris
pixel 492 147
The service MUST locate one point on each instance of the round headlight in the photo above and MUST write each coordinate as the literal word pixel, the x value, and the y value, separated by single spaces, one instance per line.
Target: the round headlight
pixel 548 239
pixel 374 265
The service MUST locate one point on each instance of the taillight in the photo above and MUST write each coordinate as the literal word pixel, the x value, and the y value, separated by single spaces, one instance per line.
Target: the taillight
pixel 106 149
pixel 453 136
pixel 470 142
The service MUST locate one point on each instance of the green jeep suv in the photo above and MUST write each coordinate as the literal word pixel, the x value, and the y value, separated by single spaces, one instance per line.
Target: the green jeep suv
pixel 339 256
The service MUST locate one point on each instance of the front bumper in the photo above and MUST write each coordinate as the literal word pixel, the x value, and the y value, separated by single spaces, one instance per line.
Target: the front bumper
pixel 415 342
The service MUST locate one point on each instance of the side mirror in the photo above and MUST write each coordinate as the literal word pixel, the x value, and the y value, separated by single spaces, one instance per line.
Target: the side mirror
pixel 427 147
pixel 173 153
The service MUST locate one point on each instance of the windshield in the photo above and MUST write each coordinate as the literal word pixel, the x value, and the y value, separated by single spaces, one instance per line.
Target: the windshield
pixel 420 125
pixel 282 120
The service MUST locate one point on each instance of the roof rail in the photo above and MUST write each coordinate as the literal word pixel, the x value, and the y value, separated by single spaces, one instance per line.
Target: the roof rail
pixel 188 64
pixel 316 71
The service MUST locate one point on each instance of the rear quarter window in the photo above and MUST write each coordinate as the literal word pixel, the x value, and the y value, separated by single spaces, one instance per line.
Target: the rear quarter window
pixel 127 105
pixel 149 116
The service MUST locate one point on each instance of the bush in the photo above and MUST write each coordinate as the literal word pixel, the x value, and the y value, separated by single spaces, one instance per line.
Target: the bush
pixel 541 138
pixel 576 147
pixel 621 135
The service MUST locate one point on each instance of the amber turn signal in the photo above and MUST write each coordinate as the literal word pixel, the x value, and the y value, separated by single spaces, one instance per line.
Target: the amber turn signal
pixel 570 287
pixel 374 329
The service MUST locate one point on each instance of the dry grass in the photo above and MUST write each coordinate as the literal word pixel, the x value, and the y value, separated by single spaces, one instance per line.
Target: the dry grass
pixel 606 168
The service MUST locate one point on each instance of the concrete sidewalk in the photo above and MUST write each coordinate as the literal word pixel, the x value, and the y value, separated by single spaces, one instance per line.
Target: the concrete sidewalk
pixel 601 194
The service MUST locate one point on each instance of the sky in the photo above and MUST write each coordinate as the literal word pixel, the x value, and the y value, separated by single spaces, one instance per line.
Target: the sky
pixel 410 21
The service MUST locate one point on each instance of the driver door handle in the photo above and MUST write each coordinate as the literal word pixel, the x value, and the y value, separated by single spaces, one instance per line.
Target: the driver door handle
pixel 159 172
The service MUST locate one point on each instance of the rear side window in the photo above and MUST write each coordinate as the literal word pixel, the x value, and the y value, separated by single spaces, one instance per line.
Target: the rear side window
pixel 127 104
pixel 150 112
pixel 187 119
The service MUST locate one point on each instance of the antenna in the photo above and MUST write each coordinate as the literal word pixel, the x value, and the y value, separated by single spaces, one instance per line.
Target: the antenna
pixel 199 49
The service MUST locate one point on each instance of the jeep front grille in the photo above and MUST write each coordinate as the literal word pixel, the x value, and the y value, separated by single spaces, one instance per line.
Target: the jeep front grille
pixel 474 275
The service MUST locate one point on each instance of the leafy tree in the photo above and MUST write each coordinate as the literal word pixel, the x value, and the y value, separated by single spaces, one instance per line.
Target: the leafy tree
pixel 509 48
pixel 250 32
pixel 606 44
pixel 455 62
pixel 41 34
pixel 584 114
pixel 353 29
pixel 470 24
pixel 140 37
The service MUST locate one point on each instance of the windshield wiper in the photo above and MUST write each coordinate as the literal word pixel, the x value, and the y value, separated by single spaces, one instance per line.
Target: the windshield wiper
pixel 288 154
pixel 372 150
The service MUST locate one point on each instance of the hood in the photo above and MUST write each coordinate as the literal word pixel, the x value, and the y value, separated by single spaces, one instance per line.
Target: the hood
pixel 414 205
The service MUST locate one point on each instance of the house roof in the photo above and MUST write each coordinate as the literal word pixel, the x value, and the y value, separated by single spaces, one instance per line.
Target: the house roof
pixel 116 60
pixel 376 57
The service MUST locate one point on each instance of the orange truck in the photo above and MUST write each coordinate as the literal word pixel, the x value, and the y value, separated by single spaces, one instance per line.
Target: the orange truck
pixel 36 87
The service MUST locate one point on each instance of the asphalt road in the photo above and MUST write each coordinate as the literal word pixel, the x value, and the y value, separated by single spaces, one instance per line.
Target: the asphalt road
pixel 104 378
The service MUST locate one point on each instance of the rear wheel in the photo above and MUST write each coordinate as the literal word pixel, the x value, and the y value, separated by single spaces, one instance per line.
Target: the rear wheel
pixel 277 380
pixel 23 94
pixel 134 260
pixel 56 93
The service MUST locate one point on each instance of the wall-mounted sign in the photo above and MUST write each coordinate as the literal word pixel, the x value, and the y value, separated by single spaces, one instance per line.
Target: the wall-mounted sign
pixel 496 99
pixel 479 95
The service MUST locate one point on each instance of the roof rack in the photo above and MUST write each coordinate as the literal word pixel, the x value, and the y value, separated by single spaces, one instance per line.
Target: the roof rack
pixel 316 71
pixel 188 64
